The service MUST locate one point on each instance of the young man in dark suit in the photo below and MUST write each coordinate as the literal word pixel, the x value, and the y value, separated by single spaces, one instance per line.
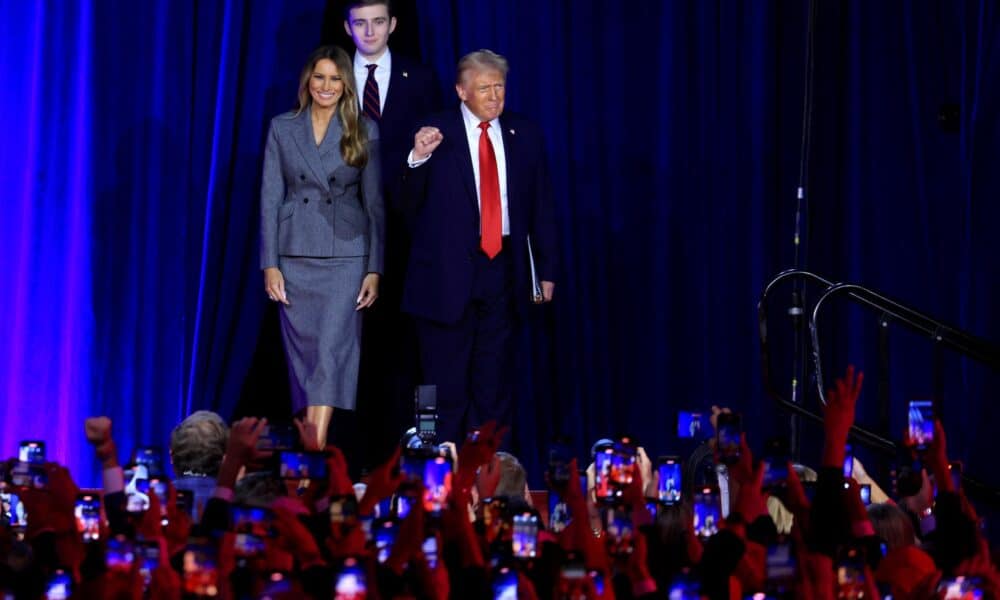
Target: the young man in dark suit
pixel 476 189
pixel 394 91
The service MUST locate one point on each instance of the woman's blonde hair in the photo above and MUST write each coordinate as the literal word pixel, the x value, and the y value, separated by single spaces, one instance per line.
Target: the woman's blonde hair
pixel 353 142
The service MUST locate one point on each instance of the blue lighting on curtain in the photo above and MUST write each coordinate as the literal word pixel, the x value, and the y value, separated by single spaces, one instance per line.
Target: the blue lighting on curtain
pixel 45 172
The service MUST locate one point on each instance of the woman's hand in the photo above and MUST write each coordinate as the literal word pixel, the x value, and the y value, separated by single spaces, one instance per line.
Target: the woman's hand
pixel 274 285
pixel 369 291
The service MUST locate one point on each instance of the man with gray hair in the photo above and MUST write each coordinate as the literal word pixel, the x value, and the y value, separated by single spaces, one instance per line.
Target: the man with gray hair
pixel 478 196
pixel 197 446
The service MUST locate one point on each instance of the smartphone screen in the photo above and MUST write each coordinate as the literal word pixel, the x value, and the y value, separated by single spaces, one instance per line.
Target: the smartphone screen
pixel 728 437
pixel 850 575
pixel 781 567
pixel 137 489
pixel 430 550
pixel 385 537
pixel 559 516
pixel 775 472
pixel 301 465
pixel 603 489
pixel 920 423
pixel 623 463
pixel 12 511
pixel 31 451
pixel 149 457
pixel 684 587
pixel 620 530
pixel 866 493
pixel 277 436
pixel 960 588
pixel 707 512
pixel 59 586
pixel 87 511
pixel 437 484
pixel 504 584
pixel 525 539
pixel 253 520
pixel 350 583
pixel 148 555
pixel 29 475
pixel 848 461
pixel 693 425
pixel 119 555
pixel 406 496
pixel 201 571
pixel 669 486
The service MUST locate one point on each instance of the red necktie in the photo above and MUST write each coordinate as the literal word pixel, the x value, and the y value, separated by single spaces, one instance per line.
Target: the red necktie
pixel 490 216
pixel 371 105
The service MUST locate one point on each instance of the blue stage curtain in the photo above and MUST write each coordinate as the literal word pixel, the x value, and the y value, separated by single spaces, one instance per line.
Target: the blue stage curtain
pixel 674 133
pixel 130 167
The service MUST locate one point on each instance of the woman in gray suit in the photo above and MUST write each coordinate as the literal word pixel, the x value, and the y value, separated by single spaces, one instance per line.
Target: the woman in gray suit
pixel 322 234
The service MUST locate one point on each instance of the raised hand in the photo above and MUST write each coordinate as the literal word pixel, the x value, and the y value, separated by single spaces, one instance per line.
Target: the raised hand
pixel 426 141
pixel 838 416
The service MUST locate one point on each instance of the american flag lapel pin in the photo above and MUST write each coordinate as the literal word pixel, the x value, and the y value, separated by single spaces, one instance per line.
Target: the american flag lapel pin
pixel 405 74
pixel 512 132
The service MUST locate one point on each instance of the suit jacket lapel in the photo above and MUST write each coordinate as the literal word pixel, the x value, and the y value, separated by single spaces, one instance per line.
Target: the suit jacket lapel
pixel 396 83
pixel 306 144
pixel 463 158
pixel 509 135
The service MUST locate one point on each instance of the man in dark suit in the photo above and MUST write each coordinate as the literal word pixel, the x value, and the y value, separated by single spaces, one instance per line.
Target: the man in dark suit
pixel 394 91
pixel 477 192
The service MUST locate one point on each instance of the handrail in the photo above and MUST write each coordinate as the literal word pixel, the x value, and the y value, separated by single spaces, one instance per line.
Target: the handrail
pixel 940 333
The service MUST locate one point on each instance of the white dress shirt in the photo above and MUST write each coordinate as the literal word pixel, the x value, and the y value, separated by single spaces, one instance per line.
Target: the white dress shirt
pixel 472 133
pixel 382 74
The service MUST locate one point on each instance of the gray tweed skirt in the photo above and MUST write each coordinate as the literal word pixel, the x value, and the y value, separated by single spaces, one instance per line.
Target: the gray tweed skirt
pixel 321 330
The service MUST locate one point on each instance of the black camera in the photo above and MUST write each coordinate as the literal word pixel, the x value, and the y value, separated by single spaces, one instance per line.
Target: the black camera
pixel 425 400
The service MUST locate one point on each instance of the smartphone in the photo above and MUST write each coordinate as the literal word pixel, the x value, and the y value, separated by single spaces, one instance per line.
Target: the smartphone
pixel 727 440
pixel 385 531
pixel 684 587
pixel 119 556
pixel 147 552
pixel 525 539
pixel 920 423
pixel 620 531
pixel 604 491
pixel 504 583
pixel 29 475
pixel 248 545
pixel 344 509
pixel 350 583
pixel 865 490
pixel 960 588
pixel 707 512
pixel 149 456
pixel 624 467
pixel 253 520
pixel 693 425
pixel 430 550
pixel 407 495
pixel 301 465
pixel 425 401
pixel 278 436
pixel 13 513
pixel 59 586
pixel 87 511
pixel 850 574
pixel 437 484
pixel 201 569
pixel 669 487
pixel 31 451
pixel 848 461
pixel 781 567
pixel 775 472
pixel 137 489
pixel 559 516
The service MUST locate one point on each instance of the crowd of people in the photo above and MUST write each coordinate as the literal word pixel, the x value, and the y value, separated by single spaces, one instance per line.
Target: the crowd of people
pixel 444 521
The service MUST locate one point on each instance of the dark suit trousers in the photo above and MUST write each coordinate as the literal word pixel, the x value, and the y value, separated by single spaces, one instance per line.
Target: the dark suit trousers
pixel 470 361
